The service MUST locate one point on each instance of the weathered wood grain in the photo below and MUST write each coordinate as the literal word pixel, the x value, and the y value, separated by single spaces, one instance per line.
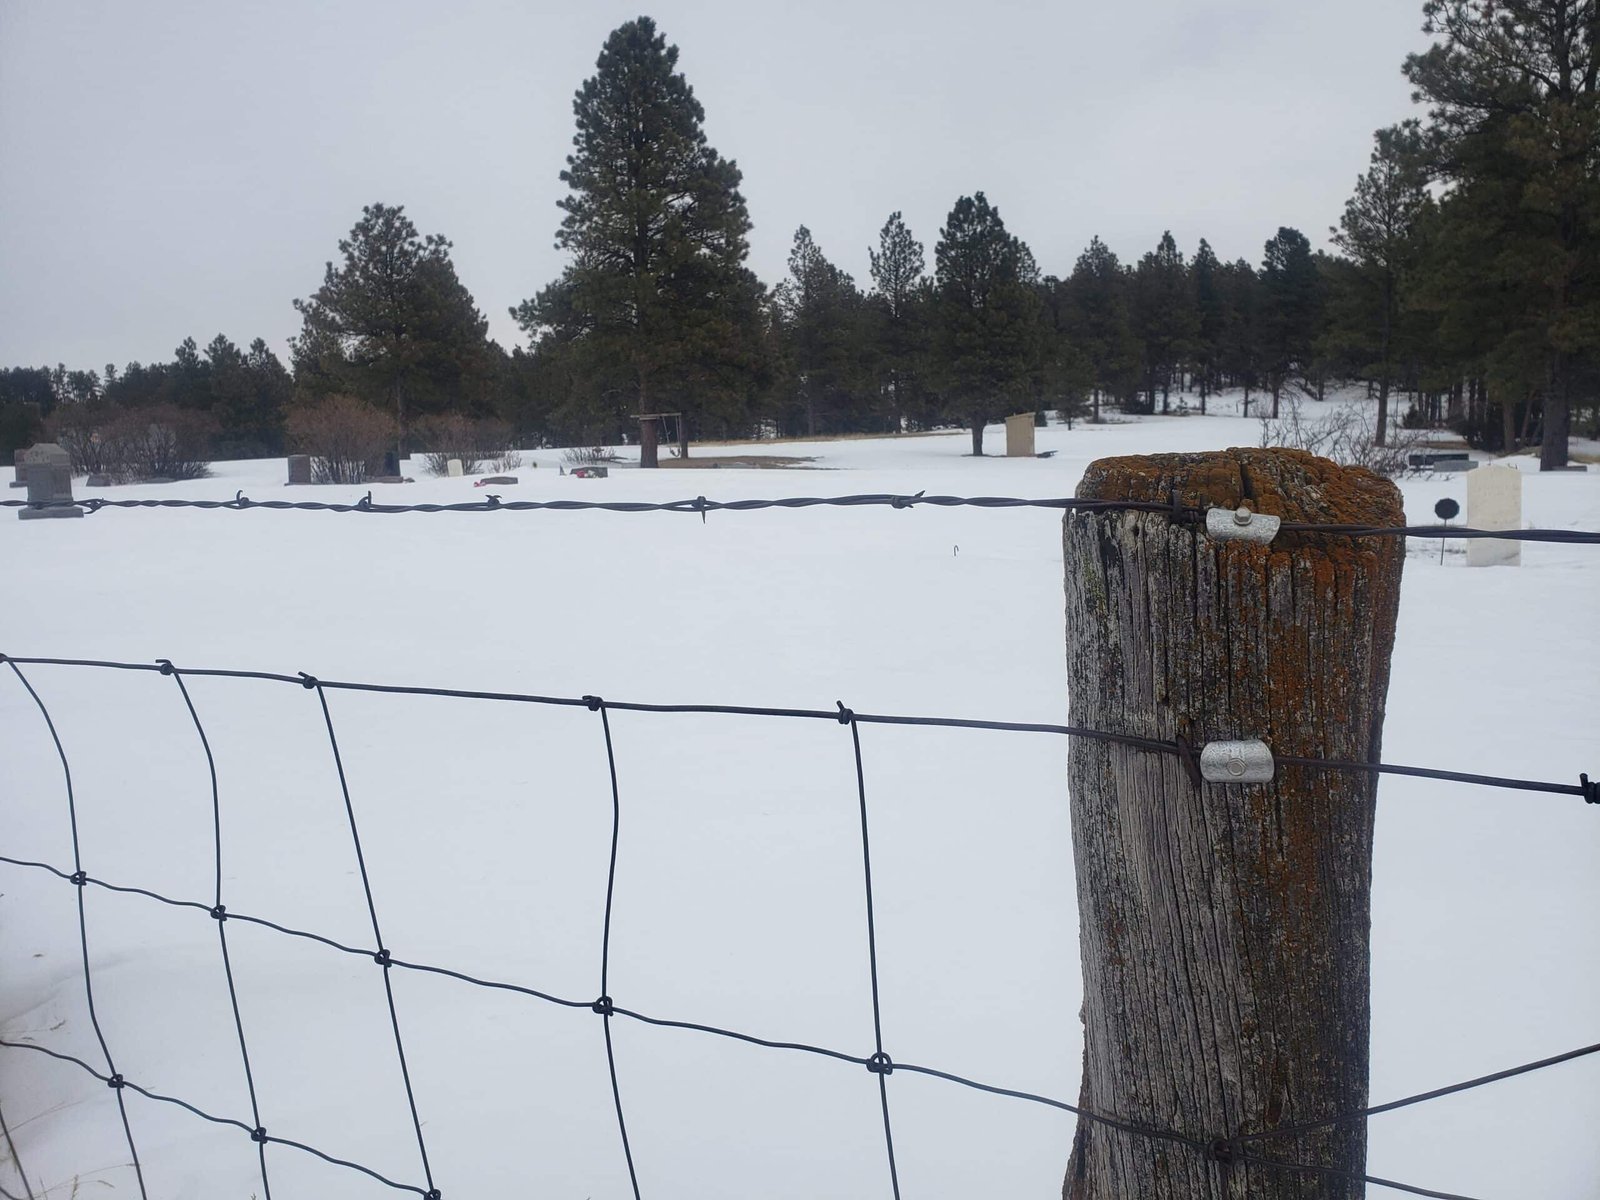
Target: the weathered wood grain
pixel 1225 929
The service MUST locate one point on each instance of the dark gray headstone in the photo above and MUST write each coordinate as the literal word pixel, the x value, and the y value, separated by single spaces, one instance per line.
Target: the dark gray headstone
pixel 49 483
pixel 299 468
pixel 21 460
pixel 498 479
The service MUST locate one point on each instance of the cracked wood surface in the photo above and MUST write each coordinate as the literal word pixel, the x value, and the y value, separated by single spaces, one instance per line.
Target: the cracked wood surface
pixel 1225 929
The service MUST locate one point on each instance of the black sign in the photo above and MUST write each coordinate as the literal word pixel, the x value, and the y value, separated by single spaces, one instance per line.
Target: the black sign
pixel 1446 509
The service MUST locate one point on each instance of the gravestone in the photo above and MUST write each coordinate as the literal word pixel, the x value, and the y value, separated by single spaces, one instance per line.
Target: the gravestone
pixel 1494 501
pixel 49 482
pixel 454 468
pixel 299 468
pixel 22 469
pixel 1019 436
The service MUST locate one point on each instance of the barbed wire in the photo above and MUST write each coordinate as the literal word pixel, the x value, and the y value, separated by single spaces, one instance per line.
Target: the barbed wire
pixel 1232 1150
pixel 1184 514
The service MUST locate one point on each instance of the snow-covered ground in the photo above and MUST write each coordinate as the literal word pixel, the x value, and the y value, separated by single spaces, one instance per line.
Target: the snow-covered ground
pixel 486 829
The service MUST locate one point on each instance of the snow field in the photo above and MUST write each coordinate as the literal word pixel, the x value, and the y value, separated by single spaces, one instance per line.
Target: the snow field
pixel 739 902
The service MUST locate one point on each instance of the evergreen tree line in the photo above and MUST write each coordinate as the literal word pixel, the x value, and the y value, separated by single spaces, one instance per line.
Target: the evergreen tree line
pixel 1465 280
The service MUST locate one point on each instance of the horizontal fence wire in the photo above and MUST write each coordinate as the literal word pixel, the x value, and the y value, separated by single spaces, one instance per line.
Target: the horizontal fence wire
pixel 701 505
pixel 1236 1149
pixel 1587 789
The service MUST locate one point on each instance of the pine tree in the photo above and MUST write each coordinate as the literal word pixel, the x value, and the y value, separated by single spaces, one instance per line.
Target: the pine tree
pixel 1292 307
pixel 657 230
pixel 1210 317
pixel 391 320
pixel 1514 90
pixel 822 315
pixel 1163 315
pixel 987 329
pixel 899 301
pixel 1097 292
pixel 1378 232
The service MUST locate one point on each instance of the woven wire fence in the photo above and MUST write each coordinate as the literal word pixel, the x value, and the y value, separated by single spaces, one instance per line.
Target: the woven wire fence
pixel 1234 1149
pixel 1231 1149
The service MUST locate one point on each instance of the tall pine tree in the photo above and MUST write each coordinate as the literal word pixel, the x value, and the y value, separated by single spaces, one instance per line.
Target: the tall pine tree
pixel 1514 93
pixel 1378 231
pixel 657 230
pixel 391 323
pixel 988 315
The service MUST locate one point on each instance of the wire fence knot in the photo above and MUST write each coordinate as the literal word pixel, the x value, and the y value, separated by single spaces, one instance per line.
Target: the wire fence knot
pixel 603 1007
pixel 846 715
pixel 905 501
pixel 880 1064
pixel 382 959
pixel 309 682
pixel 219 912
pixel 259 1135
pixel 1226 1151
pixel 240 500
pixel 166 666
pixel 365 503
pixel 1591 788
pixel 115 1083
pixel 594 703
pixel 78 877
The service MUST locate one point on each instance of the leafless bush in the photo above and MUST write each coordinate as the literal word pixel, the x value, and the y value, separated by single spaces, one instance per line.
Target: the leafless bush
pixel 1347 435
pixel 583 456
pixel 474 442
pixel 160 442
pixel 345 437
pixel 165 442
pixel 85 434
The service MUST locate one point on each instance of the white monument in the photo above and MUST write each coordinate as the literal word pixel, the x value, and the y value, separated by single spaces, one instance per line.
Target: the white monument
pixel 1019 436
pixel 1494 501
pixel 453 468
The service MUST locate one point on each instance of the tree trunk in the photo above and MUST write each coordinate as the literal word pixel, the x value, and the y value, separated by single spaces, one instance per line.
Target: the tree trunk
pixel 1224 930
pixel 1381 438
pixel 977 437
pixel 1557 429
pixel 649 437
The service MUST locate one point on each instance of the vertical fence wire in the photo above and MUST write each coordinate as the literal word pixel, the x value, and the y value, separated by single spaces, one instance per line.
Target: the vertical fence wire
pixel 880 1063
pixel 219 913
pixel 604 1006
pixel 382 956
pixel 80 878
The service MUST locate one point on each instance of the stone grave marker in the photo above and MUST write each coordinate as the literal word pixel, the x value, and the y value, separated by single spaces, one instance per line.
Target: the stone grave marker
pixel 1019 436
pixel 21 461
pixel 454 468
pixel 1494 501
pixel 299 468
pixel 49 482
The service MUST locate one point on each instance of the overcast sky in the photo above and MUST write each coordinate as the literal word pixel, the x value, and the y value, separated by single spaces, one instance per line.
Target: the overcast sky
pixel 178 168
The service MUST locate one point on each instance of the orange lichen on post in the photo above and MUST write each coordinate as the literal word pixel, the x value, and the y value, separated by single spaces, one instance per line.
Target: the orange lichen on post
pixel 1224 928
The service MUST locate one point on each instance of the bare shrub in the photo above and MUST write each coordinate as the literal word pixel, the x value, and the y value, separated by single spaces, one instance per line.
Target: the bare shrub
pixel 474 442
pixel 583 456
pixel 164 442
pixel 159 442
pixel 1347 435
pixel 345 437
pixel 87 434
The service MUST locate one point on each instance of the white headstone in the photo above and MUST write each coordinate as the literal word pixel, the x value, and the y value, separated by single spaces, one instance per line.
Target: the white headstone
pixel 1494 501
pixel 453 468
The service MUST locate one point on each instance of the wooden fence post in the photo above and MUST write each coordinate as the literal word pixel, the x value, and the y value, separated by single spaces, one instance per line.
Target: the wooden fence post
pixel 1225 928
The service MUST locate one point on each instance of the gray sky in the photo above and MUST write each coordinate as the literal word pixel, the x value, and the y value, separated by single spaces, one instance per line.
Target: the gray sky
pixel 179 168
